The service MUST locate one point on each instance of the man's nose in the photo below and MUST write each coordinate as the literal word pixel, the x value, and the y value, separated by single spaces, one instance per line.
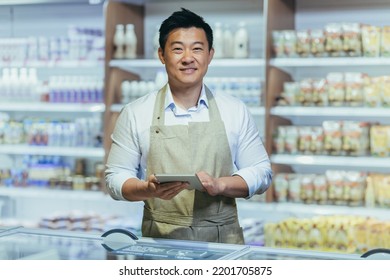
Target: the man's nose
pixel 187 56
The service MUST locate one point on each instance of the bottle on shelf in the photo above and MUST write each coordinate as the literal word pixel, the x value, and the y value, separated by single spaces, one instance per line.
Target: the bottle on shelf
pixel 241 42
pixel 156 43
pixel 119 41
pixel 130 41
pixel 218 41
pixel 228 44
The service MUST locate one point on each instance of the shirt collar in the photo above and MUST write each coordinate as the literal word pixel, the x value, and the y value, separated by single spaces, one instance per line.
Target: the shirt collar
pixel 170 104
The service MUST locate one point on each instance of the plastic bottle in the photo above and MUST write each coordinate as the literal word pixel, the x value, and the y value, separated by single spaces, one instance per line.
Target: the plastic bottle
pixel 6 84
pixel 218 41
pixel 125 92
pixel 241 42
pixel 14 84
pixel 24 86
pixel 156 43
pixel 130 42
pixel 228 42
pixel 119 41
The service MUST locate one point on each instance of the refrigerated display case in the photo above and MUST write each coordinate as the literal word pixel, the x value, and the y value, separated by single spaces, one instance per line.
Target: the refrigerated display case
pixel 21 243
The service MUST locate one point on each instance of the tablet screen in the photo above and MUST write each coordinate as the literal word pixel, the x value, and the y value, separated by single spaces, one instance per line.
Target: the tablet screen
pixel 192 179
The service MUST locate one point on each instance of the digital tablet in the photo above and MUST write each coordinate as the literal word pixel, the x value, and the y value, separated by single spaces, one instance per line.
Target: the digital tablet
pixel 192 179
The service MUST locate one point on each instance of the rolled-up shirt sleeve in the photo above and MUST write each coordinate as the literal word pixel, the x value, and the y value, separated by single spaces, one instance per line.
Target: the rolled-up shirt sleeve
pixel 124 156
pixel 251 158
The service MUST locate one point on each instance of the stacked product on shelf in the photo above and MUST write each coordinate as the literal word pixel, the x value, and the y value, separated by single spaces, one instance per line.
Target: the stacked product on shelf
pixel 336 39
pixel 351 234
pixel 334 187
pixel 79 44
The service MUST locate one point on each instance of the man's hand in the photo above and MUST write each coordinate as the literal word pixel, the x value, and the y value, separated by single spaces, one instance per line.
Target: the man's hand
pixel 164 191
pixel 210 184
pixel 230 186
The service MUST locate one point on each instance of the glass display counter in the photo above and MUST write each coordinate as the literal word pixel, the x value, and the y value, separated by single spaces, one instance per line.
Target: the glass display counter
pixel 21 243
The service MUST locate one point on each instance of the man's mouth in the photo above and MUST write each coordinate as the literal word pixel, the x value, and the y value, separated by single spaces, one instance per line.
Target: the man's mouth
pixel 188 70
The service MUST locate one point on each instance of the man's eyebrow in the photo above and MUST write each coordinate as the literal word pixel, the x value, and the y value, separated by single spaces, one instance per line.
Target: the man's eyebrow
pixel 181 43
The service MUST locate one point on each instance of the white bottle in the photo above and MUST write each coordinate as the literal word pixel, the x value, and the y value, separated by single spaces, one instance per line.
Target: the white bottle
pixel 218 41
pixel 130 42
pixel 241 42
pixel 119 41
pixel 228 42
pixel 14 85
pixel 156 43
pixel 24 85
pixel 125 92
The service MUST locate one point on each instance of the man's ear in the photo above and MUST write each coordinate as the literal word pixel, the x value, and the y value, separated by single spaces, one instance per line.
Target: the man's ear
pixel 161 55
pixel 211 55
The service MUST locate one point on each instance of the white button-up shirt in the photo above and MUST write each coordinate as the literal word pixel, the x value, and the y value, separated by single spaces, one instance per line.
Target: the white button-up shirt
pixel 131 139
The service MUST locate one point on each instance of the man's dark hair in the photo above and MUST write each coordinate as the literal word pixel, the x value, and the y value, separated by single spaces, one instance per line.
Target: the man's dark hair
pixel 184 19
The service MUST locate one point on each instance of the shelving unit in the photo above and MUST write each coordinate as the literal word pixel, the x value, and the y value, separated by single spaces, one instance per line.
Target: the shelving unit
pixel 264 17
pixel 45 19
pixel 301 15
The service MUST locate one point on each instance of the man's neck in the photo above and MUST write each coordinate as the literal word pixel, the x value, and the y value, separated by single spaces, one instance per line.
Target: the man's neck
pixel 186 97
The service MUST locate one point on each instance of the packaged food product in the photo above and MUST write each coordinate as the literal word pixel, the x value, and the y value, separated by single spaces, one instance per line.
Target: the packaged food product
pixel 354 85
pixel 317 46
pixel 290 43
pixel 336 88
pixel 369 195
pixel 385 41
pixel 315 237
pixel 304 139
pixel 332 137
pixel 294 187
pixel 281 187
pixel 372 91
pixel 305 95
pixel 371 40
pixel 380 140
pixel 291 140
pixel 307 188
pixel 385 90
pixel 320 188
pixel 354 187
pixel 289 94
pixel 278 43
pixel 317 140
pixel 352 43
pixel 334 43
pixel 335 179
pixel 303 43
pixel 355 138
pixel 320 92
pixel 279 140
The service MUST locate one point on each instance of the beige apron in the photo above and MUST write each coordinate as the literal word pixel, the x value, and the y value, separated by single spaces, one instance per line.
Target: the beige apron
pixel 182 149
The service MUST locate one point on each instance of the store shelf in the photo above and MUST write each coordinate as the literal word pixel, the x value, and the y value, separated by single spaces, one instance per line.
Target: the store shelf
pixel 36 192
pixel 52 151
pixel 329 62
pixel 54 64
pixel 308 210
pixel 136 65
pixel 52 107
pixel 355 112
pixel 332 161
